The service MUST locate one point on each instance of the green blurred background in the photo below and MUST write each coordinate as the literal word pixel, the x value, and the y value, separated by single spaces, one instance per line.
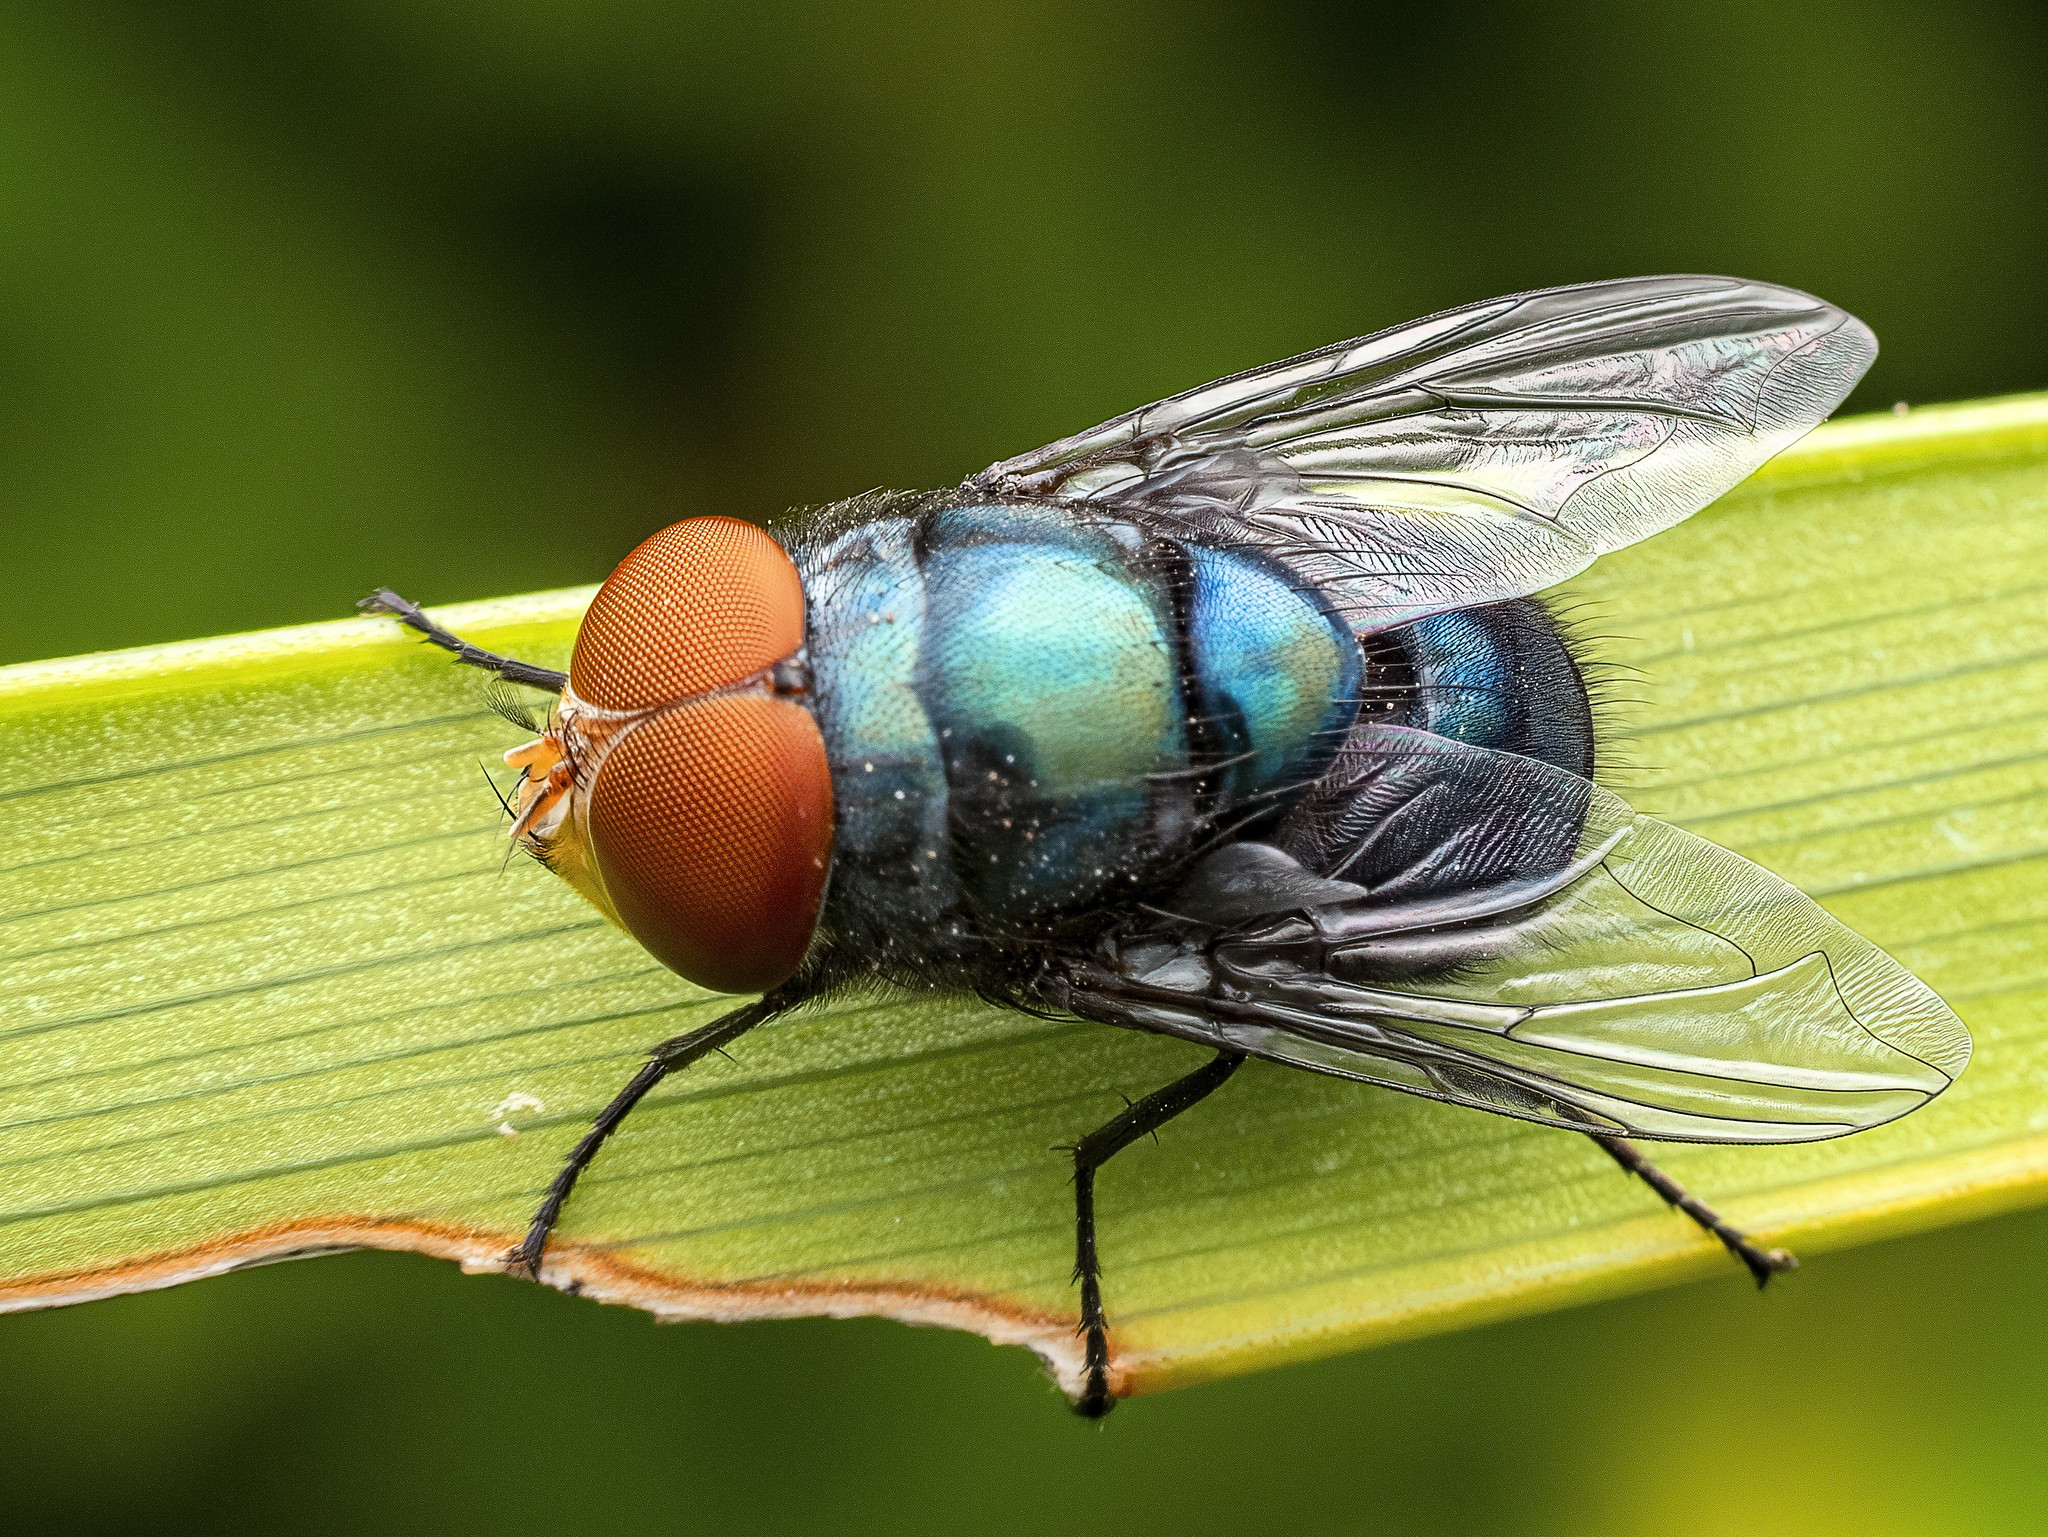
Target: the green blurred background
pixel 468 297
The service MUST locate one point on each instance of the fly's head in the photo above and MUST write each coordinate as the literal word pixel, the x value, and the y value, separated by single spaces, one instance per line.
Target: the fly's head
pixel 681 784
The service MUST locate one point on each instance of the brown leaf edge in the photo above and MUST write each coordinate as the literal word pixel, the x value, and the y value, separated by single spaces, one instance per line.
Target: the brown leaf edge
pixel 580 1272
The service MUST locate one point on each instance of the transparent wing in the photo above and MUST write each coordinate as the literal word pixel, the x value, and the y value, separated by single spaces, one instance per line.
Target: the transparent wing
pixel 1483 453
pixel 1625 977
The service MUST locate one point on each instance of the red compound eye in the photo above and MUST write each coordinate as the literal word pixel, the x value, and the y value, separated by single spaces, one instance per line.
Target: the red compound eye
pixel 712 826
pixel 703 603
pixel 711 823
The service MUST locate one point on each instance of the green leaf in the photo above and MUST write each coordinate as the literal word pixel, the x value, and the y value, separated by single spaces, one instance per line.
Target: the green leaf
pixel 271 988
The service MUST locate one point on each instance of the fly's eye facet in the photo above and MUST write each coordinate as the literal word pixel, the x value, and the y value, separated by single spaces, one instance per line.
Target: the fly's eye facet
pixel 712 826
pixel 705 602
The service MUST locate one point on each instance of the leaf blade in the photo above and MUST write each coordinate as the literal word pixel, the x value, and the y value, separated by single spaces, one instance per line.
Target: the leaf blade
pixel 267 989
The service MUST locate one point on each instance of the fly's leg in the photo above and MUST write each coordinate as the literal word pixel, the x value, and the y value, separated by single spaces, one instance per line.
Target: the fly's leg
pixel 524 1258
pixel 1090 1154
pixel 1762 1263
pixel 512 670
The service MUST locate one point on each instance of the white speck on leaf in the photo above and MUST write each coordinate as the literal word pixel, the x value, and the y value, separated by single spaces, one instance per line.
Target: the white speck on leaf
pixel 502 1112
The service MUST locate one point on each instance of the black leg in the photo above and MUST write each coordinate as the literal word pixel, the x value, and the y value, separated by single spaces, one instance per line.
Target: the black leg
pixel 406 612
pixel 1762 1263
pixel 1090 1154
pixel 524 1258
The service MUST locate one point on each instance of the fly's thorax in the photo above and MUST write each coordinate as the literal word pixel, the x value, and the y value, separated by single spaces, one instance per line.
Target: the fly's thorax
pixel 682 784
pixel 1030 714
pixel 895 902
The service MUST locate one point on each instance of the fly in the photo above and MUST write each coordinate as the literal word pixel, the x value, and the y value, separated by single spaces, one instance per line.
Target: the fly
pixel 1234 719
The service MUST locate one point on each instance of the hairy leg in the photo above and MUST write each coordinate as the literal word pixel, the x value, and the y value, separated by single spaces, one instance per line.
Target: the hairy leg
pixel 1090 1153
pixel 681 1051
pixel 1762 1263
pixel 406 612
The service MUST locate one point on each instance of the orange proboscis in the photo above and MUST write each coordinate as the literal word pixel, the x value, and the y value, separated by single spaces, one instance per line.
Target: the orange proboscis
pixel 545 777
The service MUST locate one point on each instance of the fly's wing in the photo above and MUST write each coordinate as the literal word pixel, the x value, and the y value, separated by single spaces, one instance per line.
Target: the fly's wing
pixel 1483 453
pixel 1622 977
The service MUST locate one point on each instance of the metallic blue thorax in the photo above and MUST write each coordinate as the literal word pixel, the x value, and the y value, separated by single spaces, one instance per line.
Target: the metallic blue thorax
pixel 1030 716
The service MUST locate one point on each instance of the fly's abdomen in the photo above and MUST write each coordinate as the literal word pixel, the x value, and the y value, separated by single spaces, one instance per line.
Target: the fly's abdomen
pixel 1499 677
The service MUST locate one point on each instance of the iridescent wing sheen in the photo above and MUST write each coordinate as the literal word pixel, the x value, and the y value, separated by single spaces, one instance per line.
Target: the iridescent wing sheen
pixel 1575 964
pixel 1483 453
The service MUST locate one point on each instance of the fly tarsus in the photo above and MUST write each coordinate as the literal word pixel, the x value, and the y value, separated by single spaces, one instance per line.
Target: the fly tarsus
pixel 511 669
pixel 1761 1263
